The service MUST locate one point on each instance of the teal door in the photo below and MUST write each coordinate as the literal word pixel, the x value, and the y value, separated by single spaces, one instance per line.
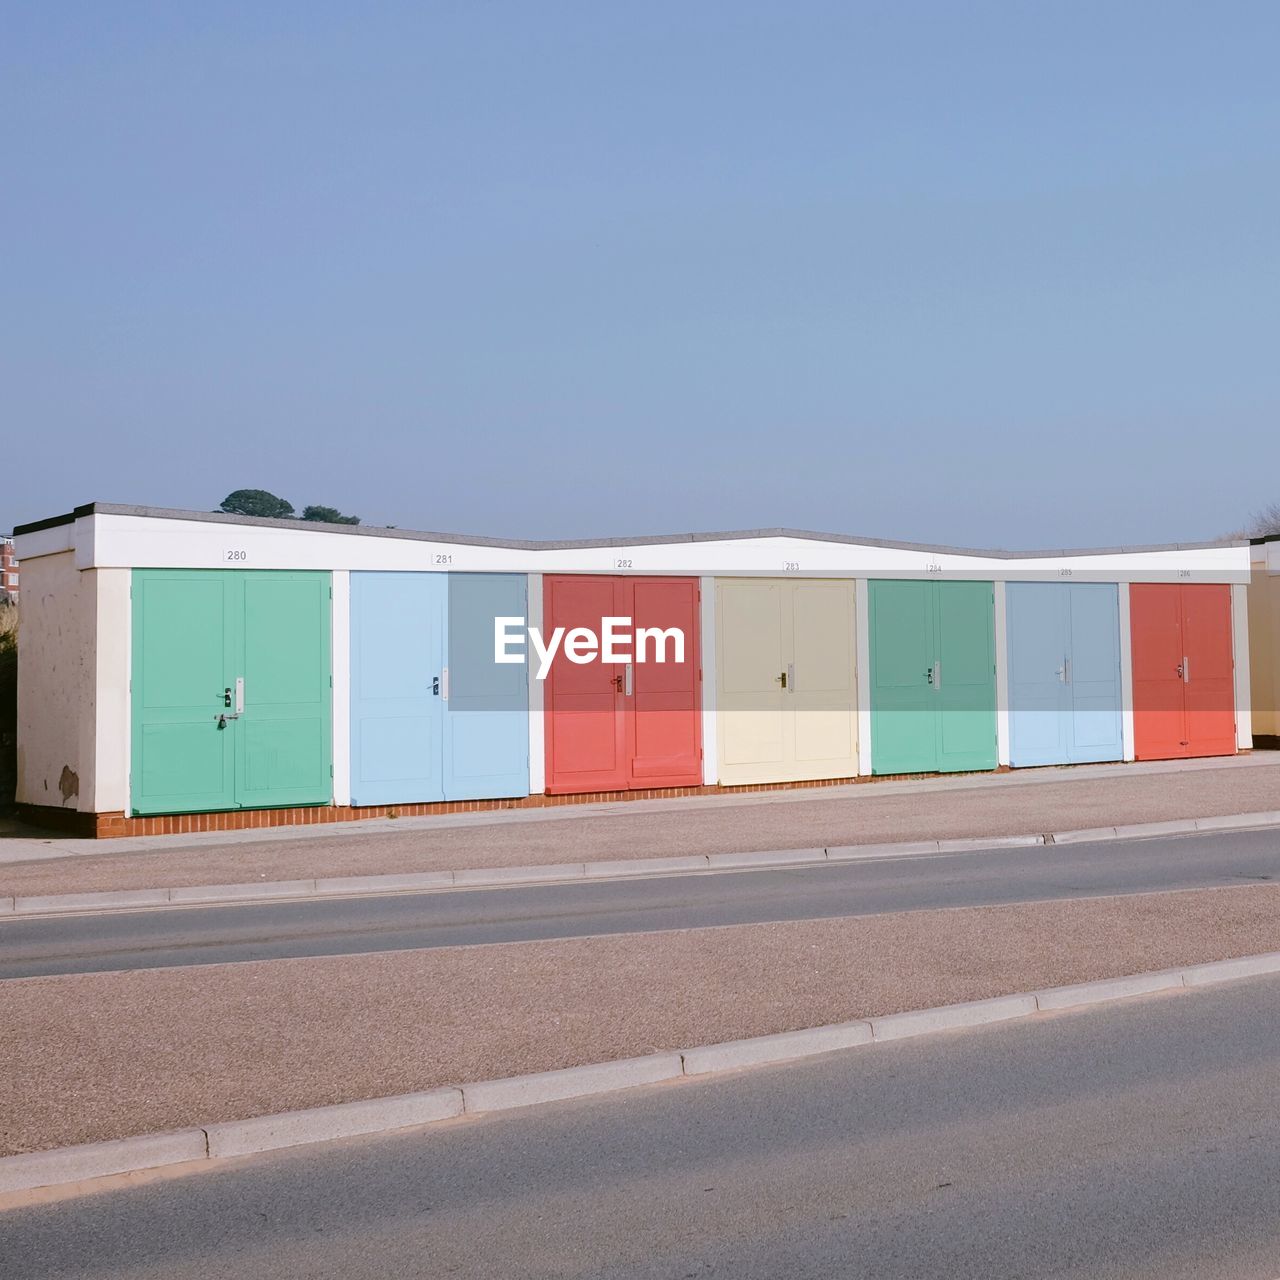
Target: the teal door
pixel 904 731
pixel 933 689
pixel 183 658
pixel 230 690
pixel 965 676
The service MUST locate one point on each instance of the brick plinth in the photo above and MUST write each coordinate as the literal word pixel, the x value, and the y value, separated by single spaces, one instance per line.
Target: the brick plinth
pixel 120 824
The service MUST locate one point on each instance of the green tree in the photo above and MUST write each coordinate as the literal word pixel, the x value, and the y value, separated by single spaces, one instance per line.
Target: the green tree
pixel 328 515
pixel 257 502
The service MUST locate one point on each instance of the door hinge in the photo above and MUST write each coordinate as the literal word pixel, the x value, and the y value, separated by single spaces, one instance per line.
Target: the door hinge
pixel 331 771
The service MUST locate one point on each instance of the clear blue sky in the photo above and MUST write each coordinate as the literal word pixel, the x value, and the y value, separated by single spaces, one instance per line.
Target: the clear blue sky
pixel 990 274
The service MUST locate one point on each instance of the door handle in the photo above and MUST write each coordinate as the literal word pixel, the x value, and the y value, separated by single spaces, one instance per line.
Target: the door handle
pixel 781 678
pixel 936 675
pixel 435 685
pixel 928 675
pixel 616 681
pixel 444 683
pixel 791 676
pixel 1067 667
pixel 630 681
pixel 1185 670
pixel 227 695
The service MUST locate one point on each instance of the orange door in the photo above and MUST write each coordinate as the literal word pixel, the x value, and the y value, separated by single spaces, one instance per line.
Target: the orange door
pixel 1183 670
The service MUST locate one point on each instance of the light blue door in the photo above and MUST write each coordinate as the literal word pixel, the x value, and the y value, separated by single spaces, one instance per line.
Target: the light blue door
pixel 1093 677
pixel 397 708
pixel 486 720
pixel 1064 673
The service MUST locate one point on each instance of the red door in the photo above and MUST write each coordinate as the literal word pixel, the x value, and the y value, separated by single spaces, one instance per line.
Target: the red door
pixel 613 729
pixel 1210 676
pixel 1183 670
pixel 583 704
pixel 664 724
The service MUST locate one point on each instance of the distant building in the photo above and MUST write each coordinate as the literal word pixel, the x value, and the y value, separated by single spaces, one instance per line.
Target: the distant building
pixel 8 571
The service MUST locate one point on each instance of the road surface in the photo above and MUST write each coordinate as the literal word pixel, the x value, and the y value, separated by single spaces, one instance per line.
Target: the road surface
pixel 1137 1141
pixel 210 935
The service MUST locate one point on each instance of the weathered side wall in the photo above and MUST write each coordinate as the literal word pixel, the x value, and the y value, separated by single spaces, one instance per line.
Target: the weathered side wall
pixel 55 682
pixel 1264 651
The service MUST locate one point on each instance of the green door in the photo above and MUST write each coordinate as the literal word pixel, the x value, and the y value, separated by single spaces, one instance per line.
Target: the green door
pixel 231 690
pixel 184 656
pixel 933 693
pixel 904 730
pixel 965 686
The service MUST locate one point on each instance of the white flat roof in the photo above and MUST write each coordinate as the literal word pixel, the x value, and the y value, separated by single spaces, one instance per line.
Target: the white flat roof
pixel 106 535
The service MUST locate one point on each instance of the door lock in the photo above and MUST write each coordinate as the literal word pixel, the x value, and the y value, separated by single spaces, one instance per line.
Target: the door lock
pixel 227 714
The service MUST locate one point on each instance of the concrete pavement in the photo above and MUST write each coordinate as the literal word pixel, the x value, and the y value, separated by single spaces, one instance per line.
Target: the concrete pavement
pixel 103 1056
pixel 1027 1150
pixel 983 806
pixel 214 935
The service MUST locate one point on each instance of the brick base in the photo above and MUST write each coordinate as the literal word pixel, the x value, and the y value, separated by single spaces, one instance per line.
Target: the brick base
pixel 120 824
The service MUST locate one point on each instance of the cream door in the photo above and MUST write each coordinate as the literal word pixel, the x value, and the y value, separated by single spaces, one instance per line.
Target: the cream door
pixel 753 727
pixel 823 698
pixel 785 693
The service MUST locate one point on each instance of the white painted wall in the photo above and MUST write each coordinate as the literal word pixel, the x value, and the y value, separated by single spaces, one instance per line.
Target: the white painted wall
pixel 340 656
pixel 1240 629
pixel 537 726
pixel 862 672
pixel 1003 734
pixel 1126 679
pixel 710 726
pixel 107 725
pixel 55 683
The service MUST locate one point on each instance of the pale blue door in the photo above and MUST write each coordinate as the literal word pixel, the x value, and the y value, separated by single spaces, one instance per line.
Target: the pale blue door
pixel 486 718
pixel 397 708
pixel 1064 673
pixel 1093 677
pixel 1039 628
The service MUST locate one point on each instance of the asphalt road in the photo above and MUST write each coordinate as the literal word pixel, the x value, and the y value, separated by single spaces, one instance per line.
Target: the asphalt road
pixel 210 935
pixel 1140 1140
